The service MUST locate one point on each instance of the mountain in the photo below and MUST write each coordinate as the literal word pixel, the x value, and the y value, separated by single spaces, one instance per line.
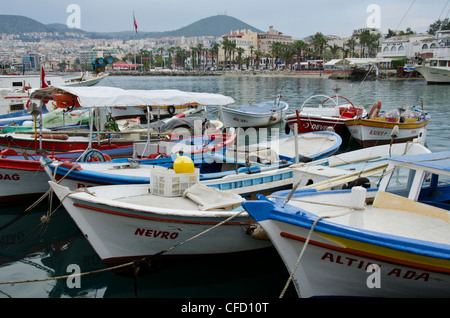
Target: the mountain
pixel 16 24
pixel 212 26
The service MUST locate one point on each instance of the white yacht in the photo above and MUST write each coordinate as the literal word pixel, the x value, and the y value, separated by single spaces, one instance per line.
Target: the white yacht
pixel 436 69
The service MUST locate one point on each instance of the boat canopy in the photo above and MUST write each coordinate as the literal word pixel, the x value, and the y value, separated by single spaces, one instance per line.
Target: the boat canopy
pixel 439 161
pixel 101 96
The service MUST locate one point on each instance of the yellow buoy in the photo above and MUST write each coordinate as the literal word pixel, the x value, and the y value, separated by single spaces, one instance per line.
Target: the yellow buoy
pixel 183 164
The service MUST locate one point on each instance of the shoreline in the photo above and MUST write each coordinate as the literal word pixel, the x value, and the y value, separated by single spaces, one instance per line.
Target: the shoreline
pixel 338 75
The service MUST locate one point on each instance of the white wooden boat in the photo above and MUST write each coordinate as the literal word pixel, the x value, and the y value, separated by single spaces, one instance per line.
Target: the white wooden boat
pixel 257 115
pixel 397 125
pixel 126 222
pixel 334 243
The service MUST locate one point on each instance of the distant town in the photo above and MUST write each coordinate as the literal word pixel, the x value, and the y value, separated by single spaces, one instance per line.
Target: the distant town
pixel 237 50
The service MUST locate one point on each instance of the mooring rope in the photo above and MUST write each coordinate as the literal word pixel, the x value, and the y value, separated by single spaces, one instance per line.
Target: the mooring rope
pixel 136 263
pixel 35 203
pixel 297 263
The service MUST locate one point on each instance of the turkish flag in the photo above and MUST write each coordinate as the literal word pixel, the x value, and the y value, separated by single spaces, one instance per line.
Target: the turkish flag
pixel 44 83
pixel 135 24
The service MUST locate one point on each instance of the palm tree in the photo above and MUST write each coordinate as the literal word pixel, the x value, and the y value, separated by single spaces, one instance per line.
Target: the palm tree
pixel 258 54
pixel 351 43
pixel 300 46
pixel 288 51
pixel 226 45
pixel 199 54
pixel 334 49
pixel 171 51
pixel 193 56
pixel 240 51
pixel 251 54
pixel 319 41
pixel 246 60
pixel 214 52
pixel 276 49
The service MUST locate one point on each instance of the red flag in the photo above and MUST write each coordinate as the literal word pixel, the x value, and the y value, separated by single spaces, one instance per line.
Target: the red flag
pixel 44 83
pixel 135 24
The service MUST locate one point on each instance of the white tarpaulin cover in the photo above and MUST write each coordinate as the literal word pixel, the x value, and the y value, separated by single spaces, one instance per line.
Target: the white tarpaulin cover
pixel 101 96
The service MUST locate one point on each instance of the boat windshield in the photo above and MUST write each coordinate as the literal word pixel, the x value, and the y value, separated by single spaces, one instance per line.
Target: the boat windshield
pixel 435 189
pixel 400 181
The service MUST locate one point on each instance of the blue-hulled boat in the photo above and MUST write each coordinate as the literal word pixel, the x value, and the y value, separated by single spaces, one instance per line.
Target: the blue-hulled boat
pixel 264 167
pixel 337 243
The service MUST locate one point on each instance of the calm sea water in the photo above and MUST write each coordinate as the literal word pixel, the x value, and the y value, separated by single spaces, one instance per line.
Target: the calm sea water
pixel 28 253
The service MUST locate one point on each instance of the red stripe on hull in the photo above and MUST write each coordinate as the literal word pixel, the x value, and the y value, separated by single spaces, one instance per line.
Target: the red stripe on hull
pixel 143 217
pixel 368 255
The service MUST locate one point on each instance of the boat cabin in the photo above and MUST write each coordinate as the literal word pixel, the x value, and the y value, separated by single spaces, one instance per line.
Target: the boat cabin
pixel 418 183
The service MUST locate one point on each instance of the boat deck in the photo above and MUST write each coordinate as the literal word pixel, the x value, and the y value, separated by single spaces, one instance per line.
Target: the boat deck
pixel 385 221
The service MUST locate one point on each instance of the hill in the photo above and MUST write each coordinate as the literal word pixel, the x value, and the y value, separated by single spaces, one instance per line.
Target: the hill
pixel 212 26
pixel 16 24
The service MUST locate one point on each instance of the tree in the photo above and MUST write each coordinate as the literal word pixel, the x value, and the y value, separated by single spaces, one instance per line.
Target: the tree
pixel 199 54
pixel 334 50
pixel 287 52
pixel 277 51
pixel 300 46
pixel 319 41
pixel 240 51
pixel 226 45
pixel 438 26
pixel 214 51
pixel 351 44
pixel 258 54
pixel 252 48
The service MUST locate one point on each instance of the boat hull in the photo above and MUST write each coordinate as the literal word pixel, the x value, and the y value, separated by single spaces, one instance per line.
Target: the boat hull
pixel 247 116
pixel 434 75
pixel 21 181
pixel 329 269
pixel 311 123
pixel 123 232
pixel 368 132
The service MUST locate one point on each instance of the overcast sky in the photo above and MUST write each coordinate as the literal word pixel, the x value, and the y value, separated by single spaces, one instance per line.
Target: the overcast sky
pixel 298 18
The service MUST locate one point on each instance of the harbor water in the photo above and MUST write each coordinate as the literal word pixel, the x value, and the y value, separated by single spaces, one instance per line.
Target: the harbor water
pixel 32 256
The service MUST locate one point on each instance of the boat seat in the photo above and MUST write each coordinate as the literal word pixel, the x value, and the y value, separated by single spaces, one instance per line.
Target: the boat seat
pixel 209 198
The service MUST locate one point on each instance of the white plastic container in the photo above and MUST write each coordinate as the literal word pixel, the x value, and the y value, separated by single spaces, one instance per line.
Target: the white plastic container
pixel 165 182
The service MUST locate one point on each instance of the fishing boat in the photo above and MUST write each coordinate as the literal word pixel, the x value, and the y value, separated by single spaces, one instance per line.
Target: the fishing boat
pixel 397 125
pixel 126 223
pixel 26 163
pixel 257 115
pixel 16 89
pixel 250 169
pixel 23 180
pixel 308 119
pixel 100 98
pixel 334 243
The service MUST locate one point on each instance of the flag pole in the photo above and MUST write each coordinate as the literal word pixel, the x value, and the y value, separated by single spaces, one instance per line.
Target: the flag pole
pixel 135 39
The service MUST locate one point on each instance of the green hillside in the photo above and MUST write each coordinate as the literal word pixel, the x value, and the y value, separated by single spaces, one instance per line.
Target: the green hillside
pixel 16 24
pixel 212 26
